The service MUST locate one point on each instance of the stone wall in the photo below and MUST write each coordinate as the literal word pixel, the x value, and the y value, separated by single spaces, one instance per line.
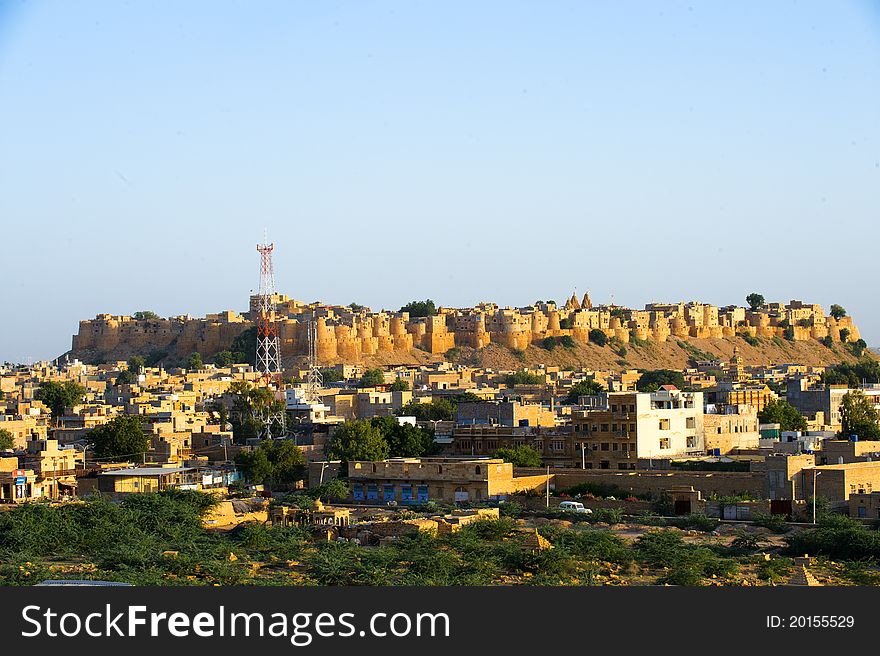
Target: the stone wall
pixel 348 336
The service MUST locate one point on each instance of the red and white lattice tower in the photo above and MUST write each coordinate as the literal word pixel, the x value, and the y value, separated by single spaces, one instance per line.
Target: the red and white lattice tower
pixel 268 350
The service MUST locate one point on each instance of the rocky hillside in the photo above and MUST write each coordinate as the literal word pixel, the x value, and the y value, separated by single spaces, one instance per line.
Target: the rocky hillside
pixel 672 354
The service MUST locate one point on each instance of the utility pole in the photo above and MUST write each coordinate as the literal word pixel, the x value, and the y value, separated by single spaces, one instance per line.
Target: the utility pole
pixel 548 486
pixel 815 474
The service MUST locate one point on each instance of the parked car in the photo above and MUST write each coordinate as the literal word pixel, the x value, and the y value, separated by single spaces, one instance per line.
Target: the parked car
pixel 574 506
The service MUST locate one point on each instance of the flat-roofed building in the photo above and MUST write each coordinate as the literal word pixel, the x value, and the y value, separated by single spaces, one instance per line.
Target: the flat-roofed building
pixel 418 480
pixel 619 428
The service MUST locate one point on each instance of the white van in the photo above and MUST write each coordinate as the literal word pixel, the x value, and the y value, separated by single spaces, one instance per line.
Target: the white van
pixel 574 506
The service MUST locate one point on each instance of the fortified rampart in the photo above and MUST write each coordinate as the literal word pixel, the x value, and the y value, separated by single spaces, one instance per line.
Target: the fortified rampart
pixel 348 335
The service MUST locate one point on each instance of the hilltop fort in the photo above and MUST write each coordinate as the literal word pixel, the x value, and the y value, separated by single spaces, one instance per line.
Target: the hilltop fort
pixel 352 334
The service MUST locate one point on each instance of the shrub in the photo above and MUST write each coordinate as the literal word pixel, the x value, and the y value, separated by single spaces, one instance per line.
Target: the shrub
pixel 598 337
pixel 610 516
pixel 775 523
pixel 775 569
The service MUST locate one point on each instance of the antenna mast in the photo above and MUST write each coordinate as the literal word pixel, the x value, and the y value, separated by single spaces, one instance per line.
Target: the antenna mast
pixel 268 350
pixel 315 381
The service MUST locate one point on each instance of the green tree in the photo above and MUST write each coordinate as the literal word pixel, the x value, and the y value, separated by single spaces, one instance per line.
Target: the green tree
pixel 598 337
pixel 783 413
pixel 548 343
pixel 372 378
pixel 220 412
pixel 400 385
pixel 136 363
pixel 120 439
pixel 224 359
pixel 852 375
pixel 651 381
pixel 844 335
pixel 567 341
pixel 125 377
pixel 859 417
pixel 436 410
pixel 155 357
pixel 827 341
pixel 358 440
pixel 273 462
pixel 583 388
pixel 404 440
pixel 194 362
pixel 333 489
pixel 331 375
pixel 250 406
pixel 789 333
pixel 523 378
pixel 58 396
pixel 521 456
pixel 7 441
pixel 837 311
pixel 424 308
pixel 356 307
pixel 146 315
pixel 858 347
pixel 755 301
pixel 246 344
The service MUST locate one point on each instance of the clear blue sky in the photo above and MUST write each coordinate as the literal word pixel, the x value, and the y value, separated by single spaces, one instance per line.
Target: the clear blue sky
pixel 462 151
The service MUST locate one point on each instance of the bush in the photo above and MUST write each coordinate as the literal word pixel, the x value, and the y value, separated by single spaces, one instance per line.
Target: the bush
pixel 598 337
pixel 523 378
pixel 699 522
pixel 837 537
pixel 520 456
pixel 548 343
pixel 610 516
pixel 775 569
pixel 567 341
pixel 775 523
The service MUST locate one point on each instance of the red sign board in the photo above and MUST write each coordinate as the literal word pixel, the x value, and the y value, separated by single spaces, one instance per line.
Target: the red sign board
pixel 18 472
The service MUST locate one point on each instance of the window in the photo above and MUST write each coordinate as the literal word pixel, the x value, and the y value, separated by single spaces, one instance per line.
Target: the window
pixel 357 492
pixel 691 441
pixel 613 408
pixel 604 446
pixel 664 442
pixel 372 492
pixel 604 428
pixel 423 492
pixel 664 424
pixel 690 422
